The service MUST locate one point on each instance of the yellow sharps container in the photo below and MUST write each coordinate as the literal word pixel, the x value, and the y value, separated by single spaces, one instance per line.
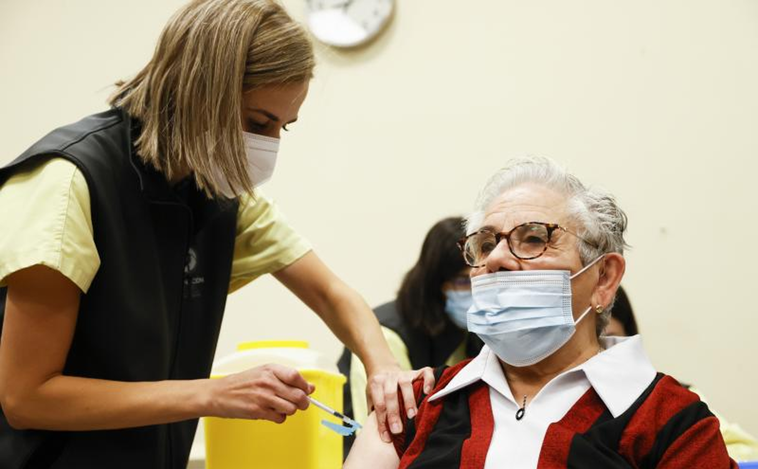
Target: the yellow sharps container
pixel 301 442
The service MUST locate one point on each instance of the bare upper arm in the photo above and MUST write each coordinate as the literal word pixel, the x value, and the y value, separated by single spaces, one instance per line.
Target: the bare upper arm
pixel 369 446
pixel 310 280
pixel 40 316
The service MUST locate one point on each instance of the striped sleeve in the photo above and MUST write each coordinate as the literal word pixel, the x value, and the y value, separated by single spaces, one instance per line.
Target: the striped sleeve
pixel 674 429
pixel 423 423
pixel 700 445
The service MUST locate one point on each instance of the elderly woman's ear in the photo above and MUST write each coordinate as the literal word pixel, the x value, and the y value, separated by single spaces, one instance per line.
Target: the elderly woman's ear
pixel 611 270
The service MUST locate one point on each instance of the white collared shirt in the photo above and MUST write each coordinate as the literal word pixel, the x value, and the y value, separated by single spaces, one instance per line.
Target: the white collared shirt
pixel 619 375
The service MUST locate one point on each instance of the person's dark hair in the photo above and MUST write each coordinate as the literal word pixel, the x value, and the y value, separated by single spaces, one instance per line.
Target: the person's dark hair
pixel 622 311
pixel 420 300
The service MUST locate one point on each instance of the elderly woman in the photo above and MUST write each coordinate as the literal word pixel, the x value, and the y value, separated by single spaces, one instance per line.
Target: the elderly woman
pixel 547 391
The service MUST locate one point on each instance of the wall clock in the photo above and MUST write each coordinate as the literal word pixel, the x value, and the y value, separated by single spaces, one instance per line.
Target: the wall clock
pixel 348 23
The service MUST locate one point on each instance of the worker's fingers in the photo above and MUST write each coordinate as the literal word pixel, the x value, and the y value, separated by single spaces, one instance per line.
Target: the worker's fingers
pixel 289 376
pixel 375 397
pixel 271 416
pixel 392 404
pixel 282 406
pixel 427 374
pixel 406 390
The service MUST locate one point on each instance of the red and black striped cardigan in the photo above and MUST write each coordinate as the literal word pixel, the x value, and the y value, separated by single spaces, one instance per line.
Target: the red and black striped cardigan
pixel 667 427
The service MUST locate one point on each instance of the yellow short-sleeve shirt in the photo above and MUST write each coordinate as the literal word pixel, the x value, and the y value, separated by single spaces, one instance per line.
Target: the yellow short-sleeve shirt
pixel 46 219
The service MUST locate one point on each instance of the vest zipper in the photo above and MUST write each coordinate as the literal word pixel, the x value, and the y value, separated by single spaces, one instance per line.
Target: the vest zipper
pixel 177 331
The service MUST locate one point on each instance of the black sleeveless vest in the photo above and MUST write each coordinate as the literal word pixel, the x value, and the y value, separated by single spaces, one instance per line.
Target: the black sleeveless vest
pixel 155 306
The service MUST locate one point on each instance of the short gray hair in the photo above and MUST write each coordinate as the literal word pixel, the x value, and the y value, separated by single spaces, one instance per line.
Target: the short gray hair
pixel 597 216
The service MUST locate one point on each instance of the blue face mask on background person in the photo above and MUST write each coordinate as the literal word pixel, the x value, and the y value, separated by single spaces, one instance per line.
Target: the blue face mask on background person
pixel 524 316
pixel 457 305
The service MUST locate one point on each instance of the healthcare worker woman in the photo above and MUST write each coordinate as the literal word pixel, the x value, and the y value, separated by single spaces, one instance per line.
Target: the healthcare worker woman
pixel 122 234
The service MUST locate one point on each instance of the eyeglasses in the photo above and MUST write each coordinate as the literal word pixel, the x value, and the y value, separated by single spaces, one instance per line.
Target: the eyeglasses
pixel 526 241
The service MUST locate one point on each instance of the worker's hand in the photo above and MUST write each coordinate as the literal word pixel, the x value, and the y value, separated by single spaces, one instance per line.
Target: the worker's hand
pixel 381 392
pixel 269 392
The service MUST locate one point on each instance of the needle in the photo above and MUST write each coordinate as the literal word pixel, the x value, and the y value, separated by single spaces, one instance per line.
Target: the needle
pixel 339 415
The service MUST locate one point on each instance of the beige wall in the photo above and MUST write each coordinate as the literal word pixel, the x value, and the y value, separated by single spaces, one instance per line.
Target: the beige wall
pixel 655 100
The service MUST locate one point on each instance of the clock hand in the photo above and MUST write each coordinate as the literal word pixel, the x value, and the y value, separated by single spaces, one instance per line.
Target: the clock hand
pixel 346 5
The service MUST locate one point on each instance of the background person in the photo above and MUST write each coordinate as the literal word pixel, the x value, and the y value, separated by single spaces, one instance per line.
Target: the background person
pixel 622 322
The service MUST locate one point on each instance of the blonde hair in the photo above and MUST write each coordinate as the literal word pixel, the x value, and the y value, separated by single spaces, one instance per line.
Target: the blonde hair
pixel 188 98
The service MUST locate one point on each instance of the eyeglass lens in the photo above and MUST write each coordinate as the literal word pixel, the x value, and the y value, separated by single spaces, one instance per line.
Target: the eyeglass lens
pixel 526 242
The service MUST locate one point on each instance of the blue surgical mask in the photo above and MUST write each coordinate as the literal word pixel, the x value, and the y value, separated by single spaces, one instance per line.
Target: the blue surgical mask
pixel 524 316
pixel 457 305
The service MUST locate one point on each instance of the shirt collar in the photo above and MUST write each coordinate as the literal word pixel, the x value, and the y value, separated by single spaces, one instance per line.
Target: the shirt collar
pixel 619 374
pixel 469 374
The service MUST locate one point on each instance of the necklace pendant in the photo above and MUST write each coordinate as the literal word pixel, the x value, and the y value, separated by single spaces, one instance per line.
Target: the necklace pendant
pixel 520 413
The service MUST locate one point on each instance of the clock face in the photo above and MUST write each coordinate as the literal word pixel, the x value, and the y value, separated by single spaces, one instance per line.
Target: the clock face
pixel 348 23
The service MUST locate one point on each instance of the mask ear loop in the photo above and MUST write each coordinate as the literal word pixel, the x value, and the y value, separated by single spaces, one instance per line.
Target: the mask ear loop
pixel 587 267
pixel 589 308
pixel 583 315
